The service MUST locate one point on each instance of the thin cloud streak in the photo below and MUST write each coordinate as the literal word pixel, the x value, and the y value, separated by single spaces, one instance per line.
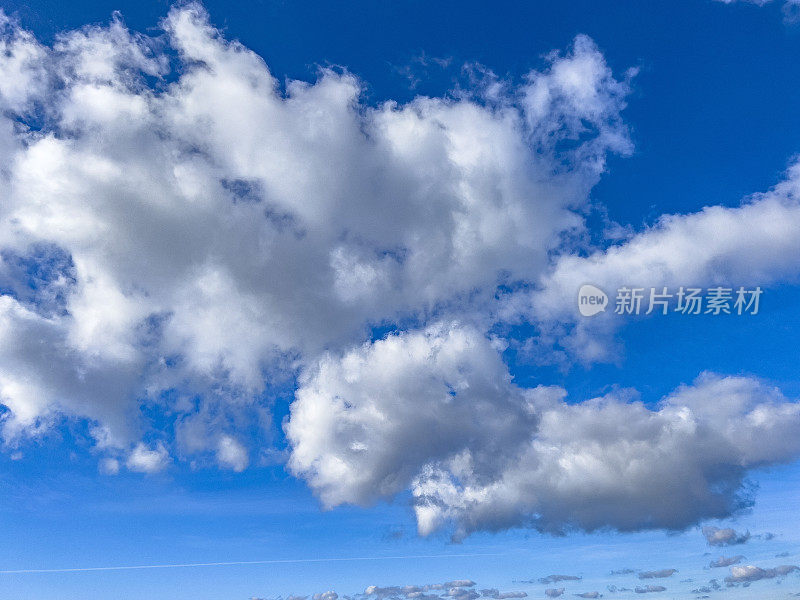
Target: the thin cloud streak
pixel 238 563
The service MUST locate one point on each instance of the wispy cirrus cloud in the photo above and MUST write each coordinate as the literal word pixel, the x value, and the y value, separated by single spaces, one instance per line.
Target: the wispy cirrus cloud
pixel 659 574
pixel 726 561
pixel 790 8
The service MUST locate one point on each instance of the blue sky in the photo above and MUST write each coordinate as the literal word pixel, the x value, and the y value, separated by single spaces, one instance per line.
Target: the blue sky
pixel 246 325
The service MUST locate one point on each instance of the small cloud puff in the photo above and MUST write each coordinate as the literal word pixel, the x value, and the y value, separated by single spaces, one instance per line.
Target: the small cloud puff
pixel 724 537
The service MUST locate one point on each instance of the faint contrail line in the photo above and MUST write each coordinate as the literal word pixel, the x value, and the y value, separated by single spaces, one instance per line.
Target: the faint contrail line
pixel 234 563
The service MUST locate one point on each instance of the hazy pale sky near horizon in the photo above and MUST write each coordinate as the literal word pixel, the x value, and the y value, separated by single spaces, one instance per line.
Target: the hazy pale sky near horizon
pixel 289 300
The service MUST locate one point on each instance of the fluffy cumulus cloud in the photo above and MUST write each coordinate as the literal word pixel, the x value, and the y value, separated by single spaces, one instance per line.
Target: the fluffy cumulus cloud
pixel 459 589
pixel 367 423
pixel 174 219
pixel 750 573
pixel 532 458
pixel 148 460
pixel 180 232
pixel 716 536
pixel 449 590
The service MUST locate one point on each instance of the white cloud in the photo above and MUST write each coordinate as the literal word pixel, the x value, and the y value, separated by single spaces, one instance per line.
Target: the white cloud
pixel 232 454
pixel 364 424
pixel 749 573
pixel 435 411
pixel 726 561
pixel 790 7
pixel 609 462
pixel 146 460
pixel 716 536
pixel 22 70
pixel 457 589
pixel 109 466
pixel 755 244
pixel 660 574
pixel 215 230
pixel 207 229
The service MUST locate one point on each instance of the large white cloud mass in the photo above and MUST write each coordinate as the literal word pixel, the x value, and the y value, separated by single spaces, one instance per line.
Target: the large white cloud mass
pixel 179 230
pixel 436 412
pixel 199 227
